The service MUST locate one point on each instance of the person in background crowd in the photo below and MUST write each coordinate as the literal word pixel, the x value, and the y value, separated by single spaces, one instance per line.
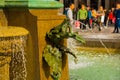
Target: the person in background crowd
pixel 106 17
pixel 101 16
pixel 117 15
pixel 82 16
pixel 94 13
pixel 111 16
pixel 94 19
pixel 70 13
pixel 89 17
pixel 65 11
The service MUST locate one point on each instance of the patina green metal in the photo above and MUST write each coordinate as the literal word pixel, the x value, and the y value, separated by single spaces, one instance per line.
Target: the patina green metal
pixel 16 3
pixel 2 3
pixel 44 4
pixel 31 4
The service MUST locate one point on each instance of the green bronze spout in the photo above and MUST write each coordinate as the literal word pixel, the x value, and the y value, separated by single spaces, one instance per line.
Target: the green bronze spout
pixel 31 4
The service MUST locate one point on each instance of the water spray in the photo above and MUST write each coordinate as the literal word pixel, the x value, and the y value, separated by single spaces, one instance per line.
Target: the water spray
pixel 100 40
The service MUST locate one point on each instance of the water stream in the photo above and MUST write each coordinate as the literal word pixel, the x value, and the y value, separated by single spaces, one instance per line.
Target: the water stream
pixel 15 47
pixel 100 40
pixel 18 63
pixel 72 43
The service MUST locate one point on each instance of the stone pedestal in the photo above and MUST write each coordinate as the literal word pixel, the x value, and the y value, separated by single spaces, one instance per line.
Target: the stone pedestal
pixel 37 22
pixel 47 19
pixel 38 18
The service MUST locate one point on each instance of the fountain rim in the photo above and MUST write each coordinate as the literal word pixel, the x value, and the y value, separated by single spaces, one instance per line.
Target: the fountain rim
pixel 13 31
pixel 98 50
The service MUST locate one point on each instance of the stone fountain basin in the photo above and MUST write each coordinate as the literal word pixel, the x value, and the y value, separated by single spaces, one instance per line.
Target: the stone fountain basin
pixel 104 37
pixel 12 44
pixel 11 31
pixel 93 40
pixel 10 36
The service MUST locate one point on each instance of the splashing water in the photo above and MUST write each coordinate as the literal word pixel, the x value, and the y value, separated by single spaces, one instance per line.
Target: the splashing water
pixel 13 44
pixel 18 63
pixel 100 40
pixel 15 47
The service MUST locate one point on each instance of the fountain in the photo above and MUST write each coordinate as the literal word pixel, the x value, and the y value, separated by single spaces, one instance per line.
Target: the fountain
pixel 38 17
pixel 12 53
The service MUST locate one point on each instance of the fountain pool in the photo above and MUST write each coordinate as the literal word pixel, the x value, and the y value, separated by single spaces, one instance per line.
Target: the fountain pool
pixel 95 66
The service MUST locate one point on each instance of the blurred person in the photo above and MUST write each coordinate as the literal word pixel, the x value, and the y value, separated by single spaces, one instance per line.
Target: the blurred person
pixel 106 17
pixel 94 13
pixel 111 16
pixel 82 16
pixel 94 19
pixel 65 11
pixel 70 13
pixel 89 17
pixel 117 15
pixel 101 16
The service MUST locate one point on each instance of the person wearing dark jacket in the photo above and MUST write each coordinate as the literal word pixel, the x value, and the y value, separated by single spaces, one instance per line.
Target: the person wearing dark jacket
pixel 117 15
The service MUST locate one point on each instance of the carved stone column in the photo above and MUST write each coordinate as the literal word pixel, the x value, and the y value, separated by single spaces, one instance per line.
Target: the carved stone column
pixel 45 22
